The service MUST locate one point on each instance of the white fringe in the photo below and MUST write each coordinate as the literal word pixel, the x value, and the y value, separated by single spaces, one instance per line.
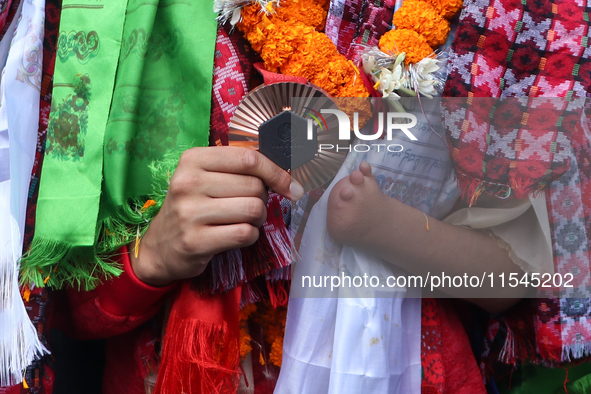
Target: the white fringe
pixel 249 296
pixel 227 270
pixel 283 273
pixel 230 10
pixel 575 351
pixel 580 349
pixel 281 244
pixel 507 354
pixel 7 275
pixel 19 343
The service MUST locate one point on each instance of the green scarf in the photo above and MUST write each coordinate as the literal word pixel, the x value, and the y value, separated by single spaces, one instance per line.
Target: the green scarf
pixel 132 83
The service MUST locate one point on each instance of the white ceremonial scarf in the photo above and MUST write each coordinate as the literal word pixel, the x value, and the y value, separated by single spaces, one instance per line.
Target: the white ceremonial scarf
pixel 19 123
pixel 342 345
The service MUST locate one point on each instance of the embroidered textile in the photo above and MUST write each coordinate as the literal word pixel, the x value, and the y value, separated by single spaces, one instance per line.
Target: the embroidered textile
pixel 354 24
pixel 39 374
pixel 506 48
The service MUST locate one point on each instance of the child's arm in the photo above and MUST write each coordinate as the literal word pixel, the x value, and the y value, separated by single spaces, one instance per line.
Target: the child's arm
pixel 360 215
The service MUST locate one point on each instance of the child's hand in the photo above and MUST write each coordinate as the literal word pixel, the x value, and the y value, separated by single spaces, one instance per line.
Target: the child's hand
pixel 360 215
pixel 216 202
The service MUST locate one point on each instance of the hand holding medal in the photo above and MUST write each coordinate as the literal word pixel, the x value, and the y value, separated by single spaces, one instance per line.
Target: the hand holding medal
pixel 288 36
pixel 279 121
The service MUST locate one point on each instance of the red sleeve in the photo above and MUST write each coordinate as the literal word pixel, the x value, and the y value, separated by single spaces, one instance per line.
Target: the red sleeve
pixel 112 308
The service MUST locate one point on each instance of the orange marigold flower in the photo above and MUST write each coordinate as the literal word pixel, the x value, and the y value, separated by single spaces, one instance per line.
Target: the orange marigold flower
pixel 308 12
pixel 408 41
pixel 352 105
pixel 272 321
pixel 354 88
pixel 251 18
pixel 446 8
pixel 311 56
pixel 330 78
pixel 244 339
pixel 353 84
pixel 245 312
pixel 245 346
pixel 282 41
pixel 276 353
pixel 421 17
pixel 340 78
pixel 252 23
pixel 257 39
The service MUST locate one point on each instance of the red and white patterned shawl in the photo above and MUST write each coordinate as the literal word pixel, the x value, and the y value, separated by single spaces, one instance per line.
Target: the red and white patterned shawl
pixel 511 48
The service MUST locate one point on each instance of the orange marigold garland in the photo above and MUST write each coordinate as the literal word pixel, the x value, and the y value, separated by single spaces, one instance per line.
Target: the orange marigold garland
pixel 283 40
pixel 252 26
pixel 335 75
pixel 308 60
pixel 286 36
pixel 420 27
pixel 272 321
pixel 410 42
pixel 423 18
pixel 308 12
pixel 276 353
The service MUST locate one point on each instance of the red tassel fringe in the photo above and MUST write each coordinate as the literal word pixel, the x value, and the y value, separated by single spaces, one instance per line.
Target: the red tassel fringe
pixel 201 347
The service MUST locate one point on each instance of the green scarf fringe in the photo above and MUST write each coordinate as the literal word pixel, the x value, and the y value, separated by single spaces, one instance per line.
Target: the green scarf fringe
pixel 58 264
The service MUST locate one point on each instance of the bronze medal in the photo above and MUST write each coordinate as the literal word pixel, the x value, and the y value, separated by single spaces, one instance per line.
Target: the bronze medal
pixel 279 121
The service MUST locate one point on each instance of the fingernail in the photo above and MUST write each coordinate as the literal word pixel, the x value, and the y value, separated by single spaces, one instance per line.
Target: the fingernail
pixel 296 190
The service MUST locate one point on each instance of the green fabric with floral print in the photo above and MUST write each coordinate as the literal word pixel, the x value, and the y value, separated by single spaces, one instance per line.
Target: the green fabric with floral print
pixel 132 83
